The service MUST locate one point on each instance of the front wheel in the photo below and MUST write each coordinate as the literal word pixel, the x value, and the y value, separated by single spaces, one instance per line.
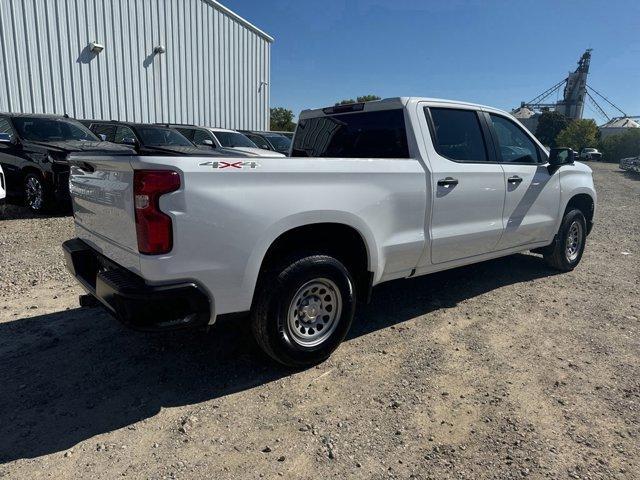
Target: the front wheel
pixel 565 252
pixel 35 193
pixel 303 310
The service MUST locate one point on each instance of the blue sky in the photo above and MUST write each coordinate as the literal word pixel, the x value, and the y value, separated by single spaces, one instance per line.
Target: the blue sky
pixel 496 53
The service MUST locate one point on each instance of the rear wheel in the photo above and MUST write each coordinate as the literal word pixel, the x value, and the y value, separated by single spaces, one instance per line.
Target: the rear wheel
pixel 303 310
pixel 566 251
pixel 36 197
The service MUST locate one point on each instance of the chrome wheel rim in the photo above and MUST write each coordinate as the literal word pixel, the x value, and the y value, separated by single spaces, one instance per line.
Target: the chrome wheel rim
pixel 314 312
pixel 574 241
pixel 34 193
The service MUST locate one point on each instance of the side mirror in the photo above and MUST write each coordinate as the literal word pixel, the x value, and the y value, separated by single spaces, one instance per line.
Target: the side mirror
pixel 208 143
pixel 561 156
pixel 5 138
pixel 103 137
pixel 130 141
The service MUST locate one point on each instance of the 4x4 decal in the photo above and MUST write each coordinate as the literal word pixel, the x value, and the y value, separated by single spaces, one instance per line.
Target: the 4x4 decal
pixel 238 165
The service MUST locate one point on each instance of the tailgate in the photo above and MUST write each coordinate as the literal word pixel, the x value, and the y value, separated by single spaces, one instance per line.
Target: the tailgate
pixel 101 188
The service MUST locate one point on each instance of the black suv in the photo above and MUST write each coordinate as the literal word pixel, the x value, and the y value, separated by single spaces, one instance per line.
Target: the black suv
pixel 151 139
pixel 269 140
pixel 34 151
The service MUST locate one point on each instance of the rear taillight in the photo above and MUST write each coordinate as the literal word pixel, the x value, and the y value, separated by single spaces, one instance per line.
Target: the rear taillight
pixel 153 227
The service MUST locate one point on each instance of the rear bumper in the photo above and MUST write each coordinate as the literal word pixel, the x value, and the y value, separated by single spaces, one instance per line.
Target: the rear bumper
pixel 130 299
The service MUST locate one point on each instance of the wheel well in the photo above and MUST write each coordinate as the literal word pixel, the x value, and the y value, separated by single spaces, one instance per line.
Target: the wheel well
pixel 27 170
pixel 584 203
pixel 338 240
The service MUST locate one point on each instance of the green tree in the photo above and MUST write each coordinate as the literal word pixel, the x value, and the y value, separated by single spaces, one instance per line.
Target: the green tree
pixel 621 145
pixel 363 98
pixel 578 135
pixel 550 124
pixel 282 120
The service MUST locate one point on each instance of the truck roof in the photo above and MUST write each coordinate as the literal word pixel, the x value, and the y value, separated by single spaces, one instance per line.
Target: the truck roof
pixel 127 124
pixel 36 115
pixel 386 104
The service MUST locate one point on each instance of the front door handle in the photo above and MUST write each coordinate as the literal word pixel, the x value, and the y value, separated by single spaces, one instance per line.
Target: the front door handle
pixel 515 180
pixel 448 182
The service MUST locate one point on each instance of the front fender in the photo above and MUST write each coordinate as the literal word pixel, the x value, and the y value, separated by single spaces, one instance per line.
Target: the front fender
pixel 575 181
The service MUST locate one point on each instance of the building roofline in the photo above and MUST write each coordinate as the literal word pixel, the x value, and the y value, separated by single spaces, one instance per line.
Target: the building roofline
pixel 241 20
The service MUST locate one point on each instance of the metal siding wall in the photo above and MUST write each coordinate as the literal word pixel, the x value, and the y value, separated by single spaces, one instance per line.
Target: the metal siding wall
pixel 211 73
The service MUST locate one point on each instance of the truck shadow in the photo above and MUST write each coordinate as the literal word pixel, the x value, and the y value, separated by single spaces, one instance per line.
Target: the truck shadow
pixel 630 174
pixel 13 211
pixel 402 300
pixel 71 375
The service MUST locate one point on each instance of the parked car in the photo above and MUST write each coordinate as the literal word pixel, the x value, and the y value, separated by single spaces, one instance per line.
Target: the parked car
pixel 3 190
pixel 590 154
pixel 289 135
pixel 33 154
pixel 269 141
pixel 208 138
pixel 297 241
pixel 630 164
pixel 150 139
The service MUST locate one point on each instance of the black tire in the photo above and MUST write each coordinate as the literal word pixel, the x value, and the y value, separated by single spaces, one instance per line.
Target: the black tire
pixel 36 193
pixel 275 299
pixel 559 255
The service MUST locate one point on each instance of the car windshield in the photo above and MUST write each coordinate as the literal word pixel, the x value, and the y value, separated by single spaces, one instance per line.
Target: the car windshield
pixel 42 129
pixel 160 137
pixel 234 139
pixel 279 142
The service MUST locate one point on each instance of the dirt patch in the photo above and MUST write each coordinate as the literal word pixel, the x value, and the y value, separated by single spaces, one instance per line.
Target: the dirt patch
pixel 504 369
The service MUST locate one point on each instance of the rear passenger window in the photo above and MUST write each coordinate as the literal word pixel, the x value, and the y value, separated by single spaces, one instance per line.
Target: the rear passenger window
pixel 109 131
pixel 515 145
pixel 200 136
pixel 187 132
pixel 458 135
pixel 5 127
pixel 122 133
pixel 377 134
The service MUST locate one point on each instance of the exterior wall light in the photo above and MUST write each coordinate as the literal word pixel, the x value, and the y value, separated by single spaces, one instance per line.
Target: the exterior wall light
pixel 159 49
pixel 96 47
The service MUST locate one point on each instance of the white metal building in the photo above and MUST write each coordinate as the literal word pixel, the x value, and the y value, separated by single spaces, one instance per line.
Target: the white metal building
pixel 181 61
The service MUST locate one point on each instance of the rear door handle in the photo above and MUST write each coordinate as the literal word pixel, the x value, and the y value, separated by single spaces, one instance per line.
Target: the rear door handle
pixel 448 182
pixel 515 180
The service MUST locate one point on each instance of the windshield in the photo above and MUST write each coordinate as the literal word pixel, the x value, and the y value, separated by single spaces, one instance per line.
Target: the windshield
pixel 234 139
pixel 279 142
pixel 160 137
pixel 45 129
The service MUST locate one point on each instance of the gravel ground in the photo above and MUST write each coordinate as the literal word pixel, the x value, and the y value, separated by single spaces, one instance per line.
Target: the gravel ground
pixel 499 370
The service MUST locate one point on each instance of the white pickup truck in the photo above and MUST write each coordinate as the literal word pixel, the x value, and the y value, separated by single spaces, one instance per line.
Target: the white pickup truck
pixel 371 192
